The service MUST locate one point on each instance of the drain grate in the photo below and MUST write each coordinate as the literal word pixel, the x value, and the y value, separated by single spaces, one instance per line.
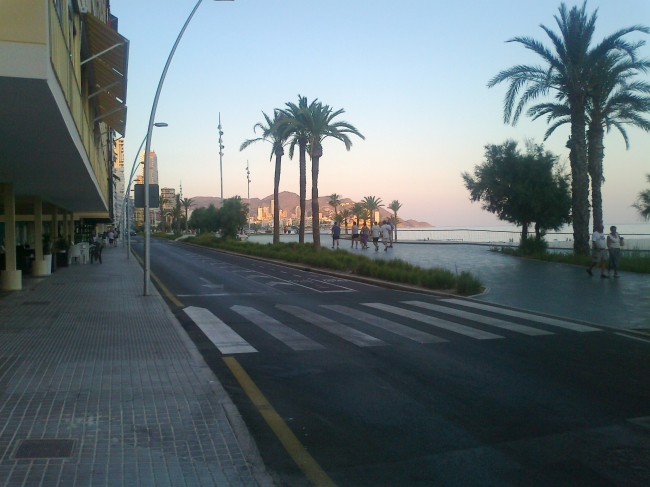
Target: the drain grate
pixel 31 449
pixel 36 303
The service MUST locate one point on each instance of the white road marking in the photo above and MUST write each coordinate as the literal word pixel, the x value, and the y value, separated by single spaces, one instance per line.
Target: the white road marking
pixel 216 294
pixel 342 331
pixel 486 320
pixel 527 316
pixel 223 337
pixel 288 336
pixel 633 338
pixel 440 323
pixel 384 324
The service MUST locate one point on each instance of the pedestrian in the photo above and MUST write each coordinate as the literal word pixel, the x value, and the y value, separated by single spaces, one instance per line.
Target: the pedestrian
pixel 336 234
pixel 614 244
pixel 386 230
pixel 355 233
pixel 392 230
pixel 365 233
pixel 117 236
pixel 376 232
pixel 111 238
pixel 598 251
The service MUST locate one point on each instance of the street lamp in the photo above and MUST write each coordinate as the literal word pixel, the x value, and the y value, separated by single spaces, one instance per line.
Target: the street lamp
pixel 127 192
pixel 248 178
pixel 147 239
pixel 220 157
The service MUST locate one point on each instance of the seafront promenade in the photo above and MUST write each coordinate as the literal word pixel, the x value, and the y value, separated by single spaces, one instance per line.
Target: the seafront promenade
pixel 545 287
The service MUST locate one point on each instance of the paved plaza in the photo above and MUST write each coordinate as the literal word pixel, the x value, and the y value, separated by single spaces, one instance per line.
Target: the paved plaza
pixel 84 356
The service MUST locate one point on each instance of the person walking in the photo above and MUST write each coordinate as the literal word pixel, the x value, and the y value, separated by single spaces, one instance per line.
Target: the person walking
pixel 376 232
pixel 111 238
pixel 614 244
pixel 598 251
pixel 336 234
pixel 365 233
pixel 392 230
pixel 386 231
pixel 355 234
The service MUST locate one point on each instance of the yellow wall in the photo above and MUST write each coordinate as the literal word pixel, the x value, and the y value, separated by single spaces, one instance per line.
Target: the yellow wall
pixel 23 21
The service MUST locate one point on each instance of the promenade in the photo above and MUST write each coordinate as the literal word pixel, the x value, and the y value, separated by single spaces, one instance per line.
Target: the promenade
pixel 85 357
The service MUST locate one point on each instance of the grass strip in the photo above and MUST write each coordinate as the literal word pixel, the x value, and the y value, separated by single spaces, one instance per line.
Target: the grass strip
pixel 632 262
pixel 394 270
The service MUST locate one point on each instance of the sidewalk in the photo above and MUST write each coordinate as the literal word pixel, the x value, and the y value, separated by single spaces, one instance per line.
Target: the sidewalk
pixel 84 356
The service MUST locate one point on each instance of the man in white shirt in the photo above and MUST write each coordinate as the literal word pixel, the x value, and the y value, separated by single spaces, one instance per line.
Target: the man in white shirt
pixel 599 251
pixel 376 232
pixel 386 230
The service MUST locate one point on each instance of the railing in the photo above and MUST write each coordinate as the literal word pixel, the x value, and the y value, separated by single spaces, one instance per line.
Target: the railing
pixel 64 69
pixel 505 238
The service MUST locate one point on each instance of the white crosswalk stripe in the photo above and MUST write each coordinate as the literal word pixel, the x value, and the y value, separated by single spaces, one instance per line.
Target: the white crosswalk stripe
pixel 527 316
pixel 384 324
pixel 438 322
pixel 342 331
pixel 288 336
pixel 223 337
pixel 486 320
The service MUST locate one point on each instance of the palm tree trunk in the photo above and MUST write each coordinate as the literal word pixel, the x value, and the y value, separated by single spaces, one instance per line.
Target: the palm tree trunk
pixel 595 156
pixel 276 197
pixel 186 222
pixel 524 231
pixel 396 220
pixel 303 190
pixel 317 152
pixel 579 178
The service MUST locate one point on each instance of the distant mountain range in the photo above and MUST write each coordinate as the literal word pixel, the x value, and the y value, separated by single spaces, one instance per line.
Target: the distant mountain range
pixel 289 201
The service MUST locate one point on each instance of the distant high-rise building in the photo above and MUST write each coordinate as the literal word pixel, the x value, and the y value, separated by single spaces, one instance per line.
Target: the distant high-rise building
pixel 153 167
pixel 272 207
pixel 120 184
pixel 298 211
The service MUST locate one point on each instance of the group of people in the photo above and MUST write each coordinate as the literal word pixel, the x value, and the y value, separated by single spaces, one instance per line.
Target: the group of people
pixel 362 235
pixel 606 251
pixel 108 238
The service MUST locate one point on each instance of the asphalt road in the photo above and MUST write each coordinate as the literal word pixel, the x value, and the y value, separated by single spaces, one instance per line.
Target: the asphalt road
pixel 389 388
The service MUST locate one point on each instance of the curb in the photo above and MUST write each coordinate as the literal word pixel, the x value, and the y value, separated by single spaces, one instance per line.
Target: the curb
pixel 350 277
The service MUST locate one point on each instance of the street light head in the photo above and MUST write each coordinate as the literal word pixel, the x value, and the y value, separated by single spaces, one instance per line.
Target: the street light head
pixel 220 132
pixel 161 124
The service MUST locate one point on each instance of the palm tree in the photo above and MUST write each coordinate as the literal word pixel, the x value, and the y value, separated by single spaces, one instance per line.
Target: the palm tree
pixel 395 207
pixel 346 214
pixel 177 213
pixel 642 203
pixel 357 210
pixel 276 134
pixel 317 121
pixel 335 201
pixel 614 100
pixel 187 203
pixel 299 136
pixel 567 73
pixel 371 204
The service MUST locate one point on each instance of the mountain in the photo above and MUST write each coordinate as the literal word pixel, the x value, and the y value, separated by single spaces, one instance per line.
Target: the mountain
pixel 289 201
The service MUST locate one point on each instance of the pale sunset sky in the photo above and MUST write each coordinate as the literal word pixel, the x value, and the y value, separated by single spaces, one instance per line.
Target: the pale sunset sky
pixel 410 75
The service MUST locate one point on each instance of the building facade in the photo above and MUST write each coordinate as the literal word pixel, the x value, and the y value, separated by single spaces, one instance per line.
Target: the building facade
pixel 63 78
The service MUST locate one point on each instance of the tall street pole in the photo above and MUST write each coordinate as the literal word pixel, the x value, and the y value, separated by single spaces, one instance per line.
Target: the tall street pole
pixel 221 157
pixel 248 178
pixel 147 236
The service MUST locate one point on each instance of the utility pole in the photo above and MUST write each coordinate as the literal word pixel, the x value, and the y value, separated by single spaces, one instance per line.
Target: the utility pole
pixel 220 157
pixel 248 178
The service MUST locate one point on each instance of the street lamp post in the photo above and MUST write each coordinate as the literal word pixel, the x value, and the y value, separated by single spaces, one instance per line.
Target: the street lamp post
pixel 220 157
pixel 127 191
pixel 248 178
pixel 147 236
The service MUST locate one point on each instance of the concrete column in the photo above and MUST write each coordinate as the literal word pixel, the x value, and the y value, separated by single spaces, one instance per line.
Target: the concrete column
pixel 55 223
pixel 10 279
pixel 38 229
pixel 71 226
pixel 65 225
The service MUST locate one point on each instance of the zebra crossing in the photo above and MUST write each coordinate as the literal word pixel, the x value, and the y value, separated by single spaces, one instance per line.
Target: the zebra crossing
pixel 228 341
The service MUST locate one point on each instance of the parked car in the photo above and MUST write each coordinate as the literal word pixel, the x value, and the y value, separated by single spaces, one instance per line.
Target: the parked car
pixel 133 233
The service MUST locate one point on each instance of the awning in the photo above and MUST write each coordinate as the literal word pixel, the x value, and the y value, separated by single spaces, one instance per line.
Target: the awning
pixel 109 57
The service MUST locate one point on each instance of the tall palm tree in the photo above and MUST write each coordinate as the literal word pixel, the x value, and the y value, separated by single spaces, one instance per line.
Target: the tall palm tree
pixel 317 121
pixel 642 203
pixel 299 136
pixel 395 207
pixel 187 203
pixel 614 100
pixel 357 210
pixel 372 204
pixel 277 135
pixel 335 201
pixel 567 73
pixel 346 214
pixel 177 212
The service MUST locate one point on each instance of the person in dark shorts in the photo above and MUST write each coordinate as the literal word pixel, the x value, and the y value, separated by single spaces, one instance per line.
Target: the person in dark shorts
pixel 355 234
pixel 336 234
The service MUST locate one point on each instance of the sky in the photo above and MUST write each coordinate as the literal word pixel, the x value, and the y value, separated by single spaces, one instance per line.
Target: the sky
pixel 411 77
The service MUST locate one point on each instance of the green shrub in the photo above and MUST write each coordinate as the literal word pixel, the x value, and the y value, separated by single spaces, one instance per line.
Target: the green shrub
pixel 467 284
pixel 533 246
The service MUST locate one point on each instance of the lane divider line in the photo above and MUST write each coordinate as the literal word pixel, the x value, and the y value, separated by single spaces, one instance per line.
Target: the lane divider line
pixel 312 470
pixel 633 338
pixel 163 288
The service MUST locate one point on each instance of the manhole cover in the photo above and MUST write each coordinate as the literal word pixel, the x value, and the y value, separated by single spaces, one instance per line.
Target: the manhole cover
pixel 29 449
pixel 36 303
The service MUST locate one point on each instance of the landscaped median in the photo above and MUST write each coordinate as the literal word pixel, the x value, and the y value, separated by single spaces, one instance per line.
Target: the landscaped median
pixel 395 270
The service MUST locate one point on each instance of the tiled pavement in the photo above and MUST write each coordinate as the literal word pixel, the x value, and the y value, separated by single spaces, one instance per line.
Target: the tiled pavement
pixel 84 355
